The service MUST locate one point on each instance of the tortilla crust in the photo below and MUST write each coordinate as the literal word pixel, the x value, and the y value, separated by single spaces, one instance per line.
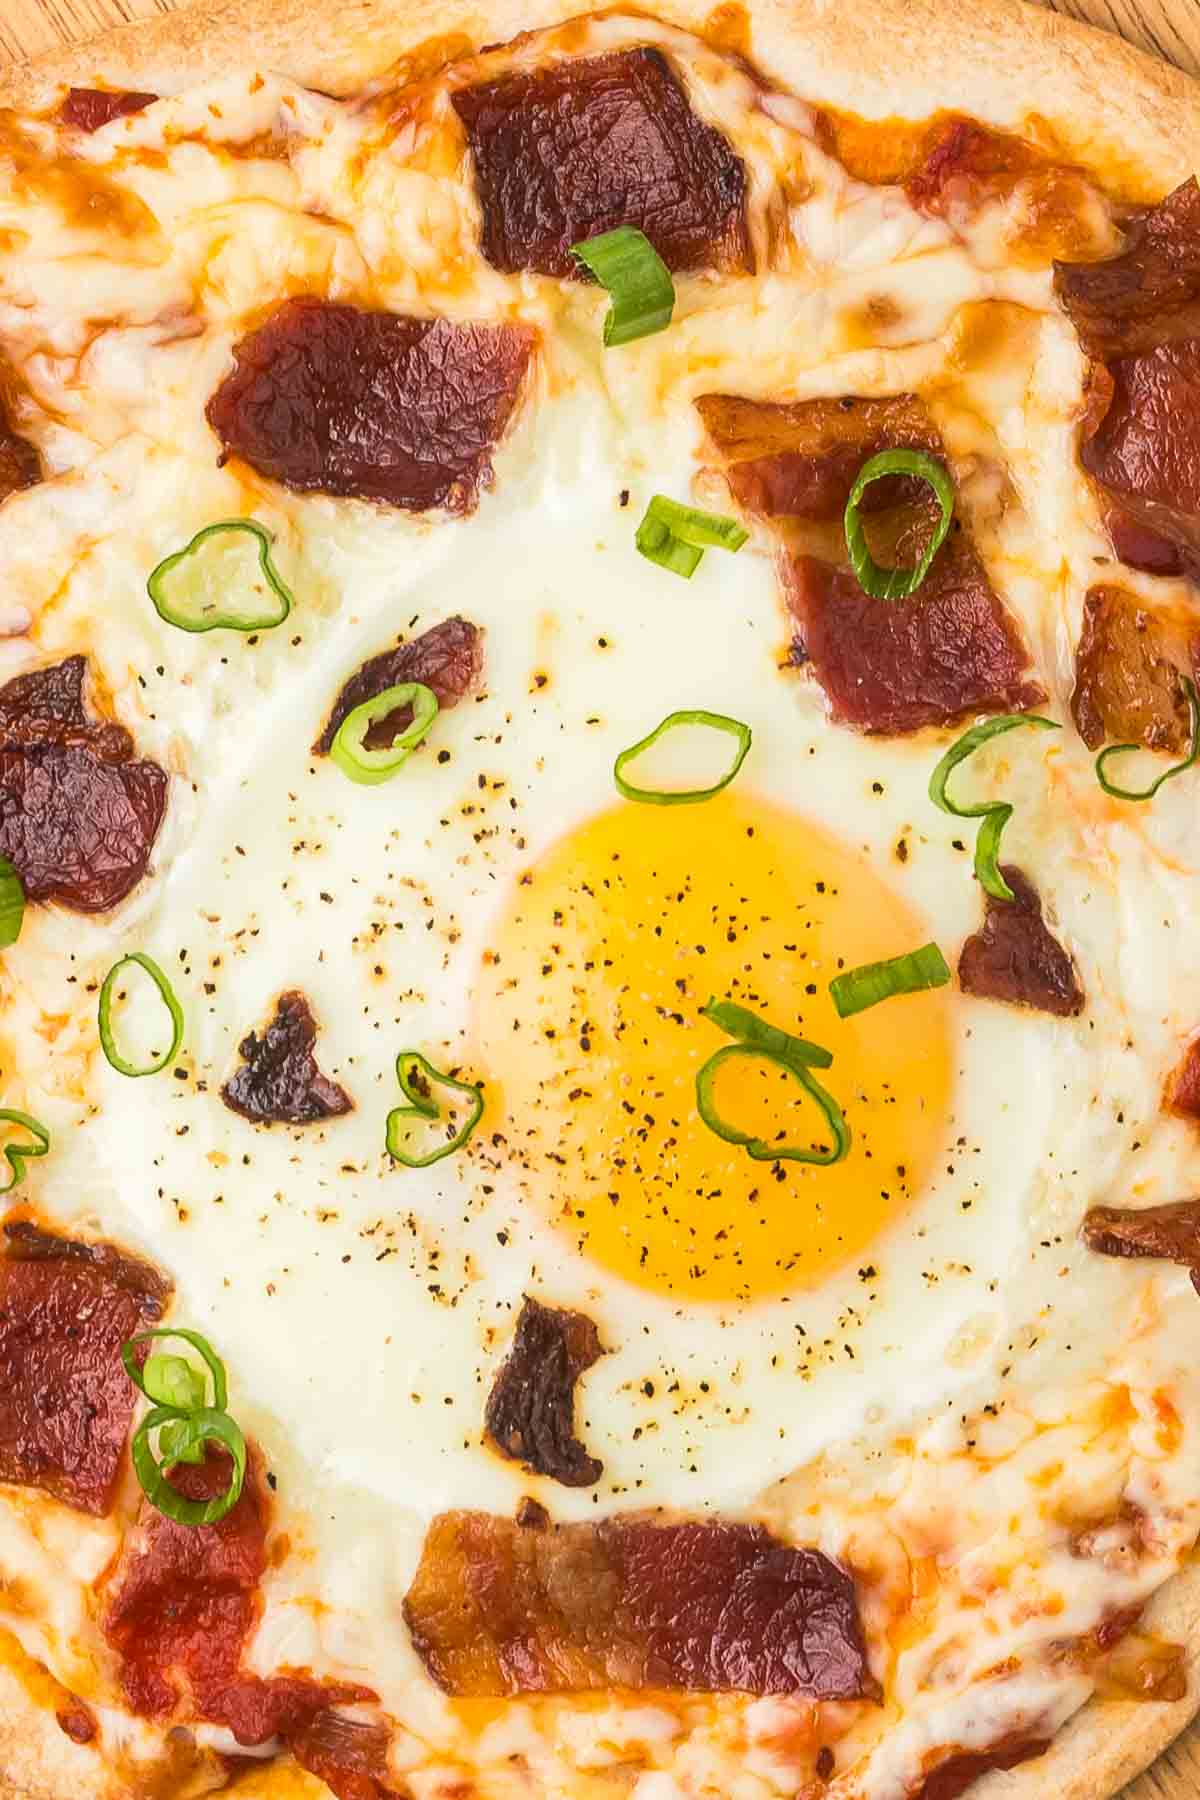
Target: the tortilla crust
pixel 1133 119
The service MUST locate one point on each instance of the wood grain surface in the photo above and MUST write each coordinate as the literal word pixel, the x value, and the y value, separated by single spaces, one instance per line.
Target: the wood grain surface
pixel 1167 28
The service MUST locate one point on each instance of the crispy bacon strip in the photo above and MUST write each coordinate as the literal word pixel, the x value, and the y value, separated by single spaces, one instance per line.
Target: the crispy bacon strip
pixel 350 1757
pixel 1016 957
pixel 332 399
pixel 66 1307
pixel 955 1773
pixel 1138 314
pixel 87 109
pixel 949 651
pixel 530 1413
pixel 447 658
pixel 279 1081
pixel 1127 668
pixel 78 816
pixel 497 1608
pixel 181 1605
pixel 575 148
pixel 1168 1233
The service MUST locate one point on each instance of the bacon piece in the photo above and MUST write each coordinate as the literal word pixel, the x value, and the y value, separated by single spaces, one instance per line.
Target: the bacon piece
pixel 1147 295
pixel 802 459
pixel 279 1081
pixel 1138 313
pixel 1141 548
pixel 448 658
pixel 530 1414
pixel 66 1307
pixel 497 1609
pixel 1058 210
pixel 893 667
pixel 1183 1085
pixel 332 399
pixel 78 816
pixel 954 1774
pixel 348 1756
pixel 183 1602
pixel 87 109
pixel 1168 1233
pixel 77 1721
pixel 1127 667
pixel 575 148
pixel 1016 957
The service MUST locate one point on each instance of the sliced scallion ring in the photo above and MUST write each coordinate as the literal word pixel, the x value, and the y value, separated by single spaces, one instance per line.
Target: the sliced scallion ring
pixel 206 586
pixel 187 1434
pixel 676 536
pixel 215 1366
pixel 994 813
pixel 682 796
pixel 17 1155
pixel 638 281
pixel 896 584
pixel 758 1147
pixel 418 1078
pixel 104 1016
pixel 764 1042
pixel 1189 761
pixel 739 1022
pixel 12 904
pixel 870 983
pixel 349 749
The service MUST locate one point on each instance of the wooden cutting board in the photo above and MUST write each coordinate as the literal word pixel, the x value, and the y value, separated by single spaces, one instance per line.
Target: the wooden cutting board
pixel 1167 28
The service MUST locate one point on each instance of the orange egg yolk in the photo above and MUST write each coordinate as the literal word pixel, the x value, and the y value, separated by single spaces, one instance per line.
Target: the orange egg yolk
pixel 591 1037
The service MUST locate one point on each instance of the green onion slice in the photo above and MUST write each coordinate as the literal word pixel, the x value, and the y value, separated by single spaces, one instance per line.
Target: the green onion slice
pixel 208 585
pixel 183 1440
pixel 418 1077
pixel 12 904
pixel 17 1155
pixel 896 584
pixel 638 281
pixel 1189 761
pixel 349 750
pixel 676 536
pixel 994 813
pixel 870 983
pixel 141 1377
pixel 104 1016
pixel 797 1057
pixel 739 1022
pixel 682 796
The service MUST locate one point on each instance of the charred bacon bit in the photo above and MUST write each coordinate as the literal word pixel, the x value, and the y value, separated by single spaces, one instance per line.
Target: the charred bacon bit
pixel 1127 668
pixel 1183 1085
pixel 333 399
pixel 66 1307
pixel 708 1607
pixel 447 658
pixel 1016 957
pixel 954 1774
pixel 949 651
pixel 530 1414
pixel 87 109
pixel 565 152
pixel 183 1602
pixel 1150 293
pixel 279 1081
pixel 1146 450
pixel 350 1757
pixel 77 1721
pixel 802 459
pixel 1167 1233
pixel 78 816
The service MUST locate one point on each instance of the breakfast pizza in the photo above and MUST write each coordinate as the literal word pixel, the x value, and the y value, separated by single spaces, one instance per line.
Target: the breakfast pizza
pixel 599 1004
